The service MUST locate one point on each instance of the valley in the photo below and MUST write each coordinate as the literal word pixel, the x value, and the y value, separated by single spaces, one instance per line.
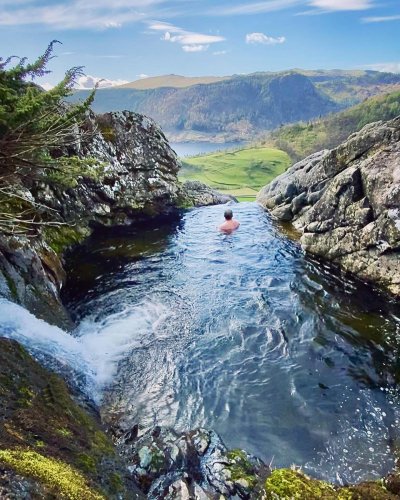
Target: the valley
pixel 239 172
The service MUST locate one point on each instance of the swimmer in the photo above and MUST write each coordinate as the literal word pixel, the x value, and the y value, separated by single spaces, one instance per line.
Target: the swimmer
pixel 230 223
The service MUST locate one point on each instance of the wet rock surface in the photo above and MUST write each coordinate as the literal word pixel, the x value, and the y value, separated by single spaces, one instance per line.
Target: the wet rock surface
pixel 50 446
pixel 194 464
pixel 199 194
pixel 346 203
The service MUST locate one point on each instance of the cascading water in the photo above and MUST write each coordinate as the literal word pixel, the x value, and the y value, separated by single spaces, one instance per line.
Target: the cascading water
pixel 183 326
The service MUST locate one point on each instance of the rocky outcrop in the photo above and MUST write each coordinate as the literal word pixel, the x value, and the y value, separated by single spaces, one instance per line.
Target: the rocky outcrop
pixel 135 173
pixel 198 194
pixel 50 447
pixel 346 203
pixel 194 464
pixel 131 177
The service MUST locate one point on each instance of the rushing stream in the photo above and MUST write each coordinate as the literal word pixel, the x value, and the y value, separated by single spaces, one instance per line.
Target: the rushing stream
pixel 282 356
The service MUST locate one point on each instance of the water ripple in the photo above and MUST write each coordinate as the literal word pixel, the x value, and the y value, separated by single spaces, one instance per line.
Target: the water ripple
pixel 278 352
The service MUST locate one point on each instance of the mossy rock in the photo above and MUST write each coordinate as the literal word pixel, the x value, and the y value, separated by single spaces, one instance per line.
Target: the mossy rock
pixel 287 484
pixel 58 477
pixel 59 238
pixel 369 490
pixel 241 469
pixel 39 417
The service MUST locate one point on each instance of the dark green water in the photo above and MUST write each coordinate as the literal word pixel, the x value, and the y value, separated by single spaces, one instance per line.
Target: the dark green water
pixel 243 334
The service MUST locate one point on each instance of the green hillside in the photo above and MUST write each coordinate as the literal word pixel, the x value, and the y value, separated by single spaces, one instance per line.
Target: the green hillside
pixel 303 139
pixel 241 173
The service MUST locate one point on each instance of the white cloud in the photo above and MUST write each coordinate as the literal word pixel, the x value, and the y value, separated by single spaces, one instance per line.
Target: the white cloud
pixel 195 48
pixel 380 19
pixel 76 14
pixel 88 82
pixel 387 67
pixel 220 53
pixel 47 86
pixel 334 5
pixel 256 7
pixel 141 76
pixel 189 40
pixel 261 38
pixel 318 6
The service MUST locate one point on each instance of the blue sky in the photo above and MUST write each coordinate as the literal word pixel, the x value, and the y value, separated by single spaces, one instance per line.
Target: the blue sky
pixel 122 40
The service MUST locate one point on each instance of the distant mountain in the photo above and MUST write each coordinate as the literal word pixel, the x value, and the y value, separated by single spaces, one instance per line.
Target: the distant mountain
pixel 302 139
pixel 351 87
pixel 175 81
pixel 242 106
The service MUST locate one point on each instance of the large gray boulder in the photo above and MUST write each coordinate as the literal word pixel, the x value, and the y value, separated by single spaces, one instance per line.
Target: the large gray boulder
pixel 193 464
pixel 135 172
pixel 346 203
pixel 198 194
pixel 133 176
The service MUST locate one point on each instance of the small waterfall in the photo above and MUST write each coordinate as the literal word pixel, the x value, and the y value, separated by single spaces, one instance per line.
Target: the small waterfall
pixel 89 355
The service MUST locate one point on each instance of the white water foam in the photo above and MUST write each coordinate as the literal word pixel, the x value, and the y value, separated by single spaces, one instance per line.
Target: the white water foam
pixel 94 349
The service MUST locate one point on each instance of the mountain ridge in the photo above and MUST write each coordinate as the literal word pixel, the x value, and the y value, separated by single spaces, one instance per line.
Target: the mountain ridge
pixel 174 81
pixel 243 106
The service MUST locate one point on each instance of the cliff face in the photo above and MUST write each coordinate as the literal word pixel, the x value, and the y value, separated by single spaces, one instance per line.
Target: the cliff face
pixel 346 203
pixel 133 176
pixel 135 172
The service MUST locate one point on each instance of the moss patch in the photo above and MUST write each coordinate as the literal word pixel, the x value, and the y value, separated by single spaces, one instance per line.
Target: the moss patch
pixel 370 490
pixel 241 467
pixel 290 484
pixel 11 285
pixel 38 413
pixel 70 170
pixel 107 132
pixel 58 476
pixel 59 238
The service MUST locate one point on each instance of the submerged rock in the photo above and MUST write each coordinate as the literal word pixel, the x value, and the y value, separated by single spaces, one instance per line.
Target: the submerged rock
pixel 194 464
pixel 346 203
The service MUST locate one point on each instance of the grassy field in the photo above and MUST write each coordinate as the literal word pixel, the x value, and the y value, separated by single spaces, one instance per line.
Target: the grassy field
pixel 241 173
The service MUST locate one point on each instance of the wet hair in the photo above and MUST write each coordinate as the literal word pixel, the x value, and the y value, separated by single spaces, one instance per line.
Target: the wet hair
pixel 228 214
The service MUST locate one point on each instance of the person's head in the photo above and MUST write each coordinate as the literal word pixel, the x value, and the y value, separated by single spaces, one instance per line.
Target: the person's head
pixel 228 214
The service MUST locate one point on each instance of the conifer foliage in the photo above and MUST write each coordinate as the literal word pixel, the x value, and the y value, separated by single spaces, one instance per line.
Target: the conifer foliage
pixel 32 121
pixel 36 129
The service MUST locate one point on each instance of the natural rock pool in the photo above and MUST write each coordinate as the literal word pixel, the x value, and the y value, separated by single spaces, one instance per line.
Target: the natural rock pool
pixel 243 334
pixel 281 355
